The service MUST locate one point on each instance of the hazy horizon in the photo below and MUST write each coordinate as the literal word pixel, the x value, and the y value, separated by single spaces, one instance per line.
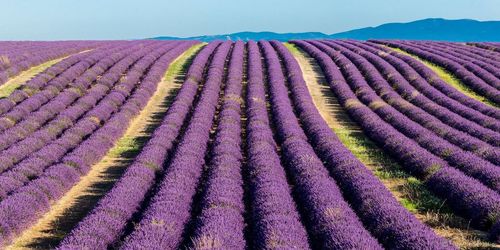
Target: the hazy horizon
pixel 127 19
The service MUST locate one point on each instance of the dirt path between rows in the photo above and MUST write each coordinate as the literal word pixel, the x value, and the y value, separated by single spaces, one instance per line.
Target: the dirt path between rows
pixel 81 198
pixel 408 191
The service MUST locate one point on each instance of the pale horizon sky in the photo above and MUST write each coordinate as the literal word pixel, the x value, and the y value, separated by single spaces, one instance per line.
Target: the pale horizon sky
pixel 128 19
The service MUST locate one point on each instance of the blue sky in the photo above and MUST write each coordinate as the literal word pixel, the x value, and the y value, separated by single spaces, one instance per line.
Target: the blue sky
pixel 129 19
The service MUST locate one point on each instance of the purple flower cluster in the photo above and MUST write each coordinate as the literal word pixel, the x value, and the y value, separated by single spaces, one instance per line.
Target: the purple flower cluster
pixel 164 220
pixel 24 206
pixel 16 57
pixel 275 222
pixel 373 203
pixel 469 78
pixel 331 222
pixel 467 196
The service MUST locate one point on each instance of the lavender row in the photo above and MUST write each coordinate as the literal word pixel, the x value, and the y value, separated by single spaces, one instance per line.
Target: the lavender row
pixel 468 78
pixel 369 197
pixel 451 98
pixel 27 137
pixel 13 66
pixel 331 223
pixel 275 221
pixel 467 196
pixel 467 162
pixel 221 218
pixel 418 110
pixel 483 72
pixel 51 149
pixel 165 218
pixel 110 216
pixel 24 206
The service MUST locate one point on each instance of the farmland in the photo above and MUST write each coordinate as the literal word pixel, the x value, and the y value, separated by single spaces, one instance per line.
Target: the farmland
pixel 308 144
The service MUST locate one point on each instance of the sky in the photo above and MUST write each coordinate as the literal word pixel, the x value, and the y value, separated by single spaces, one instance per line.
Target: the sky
pixel 134 19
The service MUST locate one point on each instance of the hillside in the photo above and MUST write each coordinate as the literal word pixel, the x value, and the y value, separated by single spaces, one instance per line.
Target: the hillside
pixel 426 29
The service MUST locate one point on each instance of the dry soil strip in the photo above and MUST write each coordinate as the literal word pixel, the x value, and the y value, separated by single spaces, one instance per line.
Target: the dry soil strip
pixel 408 191
pixel 80 199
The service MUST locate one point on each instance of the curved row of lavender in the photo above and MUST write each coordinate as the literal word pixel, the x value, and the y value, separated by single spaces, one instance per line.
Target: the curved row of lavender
pixel 489 46
pixel 49 144
pixel 486 72
pixel 478 134
pixel 492 65
pixel 26 204
pixel 473 136
pixel 431 89
pixel 397 112
pixel 468 78
pixel 467 196
pixel 470 51
pixel 16 59
pixel 371 200
pixel 163 221
pixel 430 84
pixel 115 209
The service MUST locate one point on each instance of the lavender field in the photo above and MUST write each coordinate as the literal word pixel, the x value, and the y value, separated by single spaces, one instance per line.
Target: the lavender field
pixel 307 144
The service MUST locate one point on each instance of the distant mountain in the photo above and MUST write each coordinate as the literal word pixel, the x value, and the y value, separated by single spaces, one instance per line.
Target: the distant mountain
pixel 430 29
pixel 247 35
pixel 462 30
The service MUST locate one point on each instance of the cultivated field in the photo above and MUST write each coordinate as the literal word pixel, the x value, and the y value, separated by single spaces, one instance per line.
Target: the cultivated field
pixel 309 144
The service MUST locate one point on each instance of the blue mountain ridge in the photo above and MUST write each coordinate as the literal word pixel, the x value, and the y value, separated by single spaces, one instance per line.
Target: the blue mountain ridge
pixel 462 30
